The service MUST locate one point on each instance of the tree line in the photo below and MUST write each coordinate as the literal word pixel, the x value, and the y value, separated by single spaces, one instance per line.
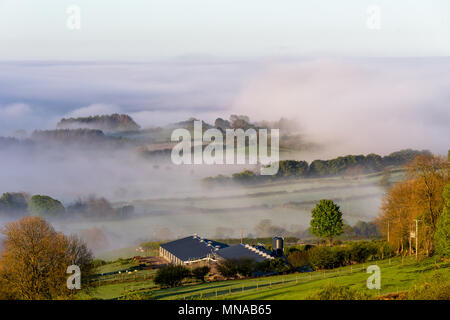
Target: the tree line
pixel 416 210
pixel 16 204
pixel 351 165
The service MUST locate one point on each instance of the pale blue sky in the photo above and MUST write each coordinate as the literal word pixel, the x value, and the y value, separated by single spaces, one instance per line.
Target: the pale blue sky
pixel 143 29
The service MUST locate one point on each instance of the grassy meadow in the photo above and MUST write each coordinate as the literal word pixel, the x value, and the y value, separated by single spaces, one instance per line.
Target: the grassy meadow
pixel 396 276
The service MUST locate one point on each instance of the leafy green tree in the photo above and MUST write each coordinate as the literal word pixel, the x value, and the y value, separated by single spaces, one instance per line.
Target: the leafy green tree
pixel 200 272
pixel 45 206
pixel 442 234
pixel 326 220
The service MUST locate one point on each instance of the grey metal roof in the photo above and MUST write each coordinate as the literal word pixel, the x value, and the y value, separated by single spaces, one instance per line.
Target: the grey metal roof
pixel 240 251
pixel 191 248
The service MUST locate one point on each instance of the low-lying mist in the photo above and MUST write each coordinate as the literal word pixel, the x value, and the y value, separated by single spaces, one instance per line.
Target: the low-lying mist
pixel 341 106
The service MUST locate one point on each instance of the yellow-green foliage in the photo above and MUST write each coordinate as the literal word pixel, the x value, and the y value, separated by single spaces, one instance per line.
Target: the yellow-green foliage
pixel 434 286
pixel 334 292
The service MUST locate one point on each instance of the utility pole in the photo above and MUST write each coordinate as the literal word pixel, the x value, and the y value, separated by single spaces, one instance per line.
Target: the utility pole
pixel 388 232
pixel 417 236
pixel 242 236
pixel 410 241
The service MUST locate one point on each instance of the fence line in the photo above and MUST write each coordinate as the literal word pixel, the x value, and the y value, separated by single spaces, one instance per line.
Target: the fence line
pixel 289 279
pixel 279 281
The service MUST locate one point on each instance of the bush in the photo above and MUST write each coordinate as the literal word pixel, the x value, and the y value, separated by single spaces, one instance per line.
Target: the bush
pixel 323 258
pixel 298 258
pixel 431 287
pixel 232 267
pixel 200 272
pixel 360 251
pixel 227 268
pixel 137 296
pixel 171 276
pixel 245 267
pixel 98 263
pixel 274 265
pixel 334 292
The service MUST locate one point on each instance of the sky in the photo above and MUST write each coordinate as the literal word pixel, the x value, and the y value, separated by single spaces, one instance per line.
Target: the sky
pixel 149 29
pixel 379 68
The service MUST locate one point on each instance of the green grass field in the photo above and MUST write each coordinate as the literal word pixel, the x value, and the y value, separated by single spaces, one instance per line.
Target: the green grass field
pixel 395 276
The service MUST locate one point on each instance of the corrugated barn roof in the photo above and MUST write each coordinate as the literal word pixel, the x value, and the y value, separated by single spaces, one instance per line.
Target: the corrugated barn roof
pixel 241 251
pixel 192 247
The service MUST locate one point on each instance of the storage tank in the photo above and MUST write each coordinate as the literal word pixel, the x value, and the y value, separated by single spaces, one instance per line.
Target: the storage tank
pixel 277 246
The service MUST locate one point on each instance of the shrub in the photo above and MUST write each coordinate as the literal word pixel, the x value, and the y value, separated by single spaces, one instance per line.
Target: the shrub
pixel 360 251
pixel 245 267
pixel 98 263
pixel 274 265
pixel 227 268
pixel 334 292
pixel 341 256
pixel 435 286
pixel 298 258
pixel 137 296
pixel 200 272
pixel 323 258
pixel 171 276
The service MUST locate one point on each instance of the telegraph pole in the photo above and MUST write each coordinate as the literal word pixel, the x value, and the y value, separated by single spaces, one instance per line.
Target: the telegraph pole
pixel 388 232
pixel 410 241
pixel 417 236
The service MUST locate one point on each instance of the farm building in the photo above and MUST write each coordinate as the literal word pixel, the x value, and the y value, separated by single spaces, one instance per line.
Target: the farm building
pixel 190 249
pixel 244 251
pixel 194 248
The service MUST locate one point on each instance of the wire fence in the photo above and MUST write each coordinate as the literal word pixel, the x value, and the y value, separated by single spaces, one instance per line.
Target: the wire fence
pixel 297 278
pixel 223 289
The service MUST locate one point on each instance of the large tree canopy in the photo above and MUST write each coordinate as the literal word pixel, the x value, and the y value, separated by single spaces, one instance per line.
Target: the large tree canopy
pixel 45 206
pixel 35 258
pixel 326 220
